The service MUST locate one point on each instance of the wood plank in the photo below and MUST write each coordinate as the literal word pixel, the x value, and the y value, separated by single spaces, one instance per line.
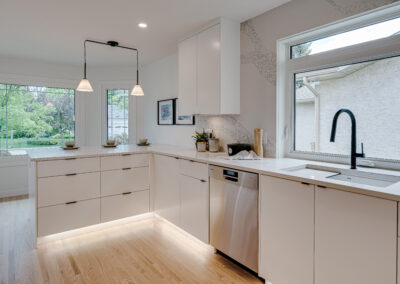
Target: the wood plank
pixel 145 251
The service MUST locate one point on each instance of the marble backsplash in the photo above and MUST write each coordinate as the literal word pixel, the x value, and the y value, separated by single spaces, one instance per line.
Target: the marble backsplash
pixel 229 130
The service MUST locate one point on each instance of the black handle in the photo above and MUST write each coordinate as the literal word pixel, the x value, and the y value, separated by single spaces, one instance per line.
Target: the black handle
pixel 71 202
pixel 203 180
pixel 69 175
pixel 305 183
pixel 126 193
pixel 69 159
pixel 321 186
pixel 125 169
pixel 176 158
pixel 231 179
pixel 126 154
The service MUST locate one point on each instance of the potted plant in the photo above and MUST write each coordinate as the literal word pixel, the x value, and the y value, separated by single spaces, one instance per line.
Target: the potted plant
pixel 201 141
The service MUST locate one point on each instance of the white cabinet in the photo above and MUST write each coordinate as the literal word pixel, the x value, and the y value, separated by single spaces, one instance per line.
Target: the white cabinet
pixel 209 70
pixel 187 72
pixel 64 217
pixel 193 169
pixel 124 205
pixel 355 238
pixel 68 166
pixel 124 161
pixel 286 231
pixel 63 189
pixel 195 207
pixel 126 180
pixel 167 199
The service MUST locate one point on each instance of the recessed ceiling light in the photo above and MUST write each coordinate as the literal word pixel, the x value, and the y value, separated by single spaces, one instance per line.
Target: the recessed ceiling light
pixel 142 25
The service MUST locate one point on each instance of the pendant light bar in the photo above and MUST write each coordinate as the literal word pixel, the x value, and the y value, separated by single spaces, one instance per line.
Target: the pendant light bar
pixel 85 86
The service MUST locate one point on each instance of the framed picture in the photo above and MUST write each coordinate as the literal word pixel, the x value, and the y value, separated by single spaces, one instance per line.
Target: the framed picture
pixel 166 112
pixel 183 119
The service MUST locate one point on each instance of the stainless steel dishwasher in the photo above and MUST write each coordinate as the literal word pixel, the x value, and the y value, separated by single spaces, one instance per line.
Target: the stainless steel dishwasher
pixel 234 214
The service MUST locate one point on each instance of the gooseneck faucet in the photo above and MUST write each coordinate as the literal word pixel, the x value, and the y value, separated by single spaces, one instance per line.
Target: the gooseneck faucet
pixel 354 153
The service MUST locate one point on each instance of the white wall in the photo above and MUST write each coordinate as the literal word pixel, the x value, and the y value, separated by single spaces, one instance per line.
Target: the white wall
pixel 160 81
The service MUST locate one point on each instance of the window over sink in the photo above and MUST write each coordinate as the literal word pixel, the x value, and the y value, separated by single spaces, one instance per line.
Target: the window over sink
pixel 351 64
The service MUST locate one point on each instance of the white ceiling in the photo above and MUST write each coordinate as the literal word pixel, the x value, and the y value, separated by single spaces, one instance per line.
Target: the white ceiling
pixel 54 30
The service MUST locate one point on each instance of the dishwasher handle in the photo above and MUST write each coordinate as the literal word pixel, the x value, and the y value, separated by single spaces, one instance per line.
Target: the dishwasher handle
pixel 231 179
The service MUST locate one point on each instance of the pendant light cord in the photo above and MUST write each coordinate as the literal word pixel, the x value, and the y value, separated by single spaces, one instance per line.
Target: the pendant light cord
pixel 112 44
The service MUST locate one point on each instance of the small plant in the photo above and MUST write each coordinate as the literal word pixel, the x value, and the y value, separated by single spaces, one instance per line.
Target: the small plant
pixel 200 136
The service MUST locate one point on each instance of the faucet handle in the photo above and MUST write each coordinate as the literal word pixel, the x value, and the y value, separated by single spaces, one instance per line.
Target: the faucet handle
pixel 362 155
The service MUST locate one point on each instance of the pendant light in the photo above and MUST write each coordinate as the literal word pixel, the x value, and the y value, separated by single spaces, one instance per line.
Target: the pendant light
pixel 85 86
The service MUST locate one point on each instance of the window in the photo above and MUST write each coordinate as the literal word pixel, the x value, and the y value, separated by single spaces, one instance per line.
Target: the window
pixel 118 115
pixel 32 116
pixel 365 34
pixel 316 79
pixel 371 90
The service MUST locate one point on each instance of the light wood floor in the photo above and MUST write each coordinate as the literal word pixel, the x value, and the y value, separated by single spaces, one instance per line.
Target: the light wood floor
pixel 146 251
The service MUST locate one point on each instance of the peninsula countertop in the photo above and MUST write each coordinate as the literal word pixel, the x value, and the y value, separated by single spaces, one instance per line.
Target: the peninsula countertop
pixel 267 166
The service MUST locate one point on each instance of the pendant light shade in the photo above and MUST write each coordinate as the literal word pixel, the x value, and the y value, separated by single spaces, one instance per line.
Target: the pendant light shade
pixel 137 91
pixel 84 86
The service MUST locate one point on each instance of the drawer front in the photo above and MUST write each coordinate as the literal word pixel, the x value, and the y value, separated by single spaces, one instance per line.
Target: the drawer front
pixel 124 205
pixel 193 169
pixel 62 189
pixel 61 218
pixel 120 181
pixel 68 166
pixel 124 161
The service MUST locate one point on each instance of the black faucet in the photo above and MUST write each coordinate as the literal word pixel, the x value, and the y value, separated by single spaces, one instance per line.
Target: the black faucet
pixel 354 154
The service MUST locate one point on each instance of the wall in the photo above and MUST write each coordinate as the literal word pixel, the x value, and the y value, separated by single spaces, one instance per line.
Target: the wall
pixel 258 71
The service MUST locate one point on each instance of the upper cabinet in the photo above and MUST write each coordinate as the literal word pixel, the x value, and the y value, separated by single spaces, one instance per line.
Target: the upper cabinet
pixel 209 71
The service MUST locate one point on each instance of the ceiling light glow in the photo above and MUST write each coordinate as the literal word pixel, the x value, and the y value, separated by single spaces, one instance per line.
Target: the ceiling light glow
pixel 142 25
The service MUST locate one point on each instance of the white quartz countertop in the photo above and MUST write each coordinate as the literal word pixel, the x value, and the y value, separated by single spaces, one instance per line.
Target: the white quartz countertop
pixel 266 166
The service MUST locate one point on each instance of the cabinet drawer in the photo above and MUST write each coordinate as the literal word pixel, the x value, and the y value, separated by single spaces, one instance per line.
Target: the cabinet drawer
pixel 120 181
pixel 124 161
pixel 68 166
pixel 60 218
pixel 62 189
pixel 124 205
pixel 193 169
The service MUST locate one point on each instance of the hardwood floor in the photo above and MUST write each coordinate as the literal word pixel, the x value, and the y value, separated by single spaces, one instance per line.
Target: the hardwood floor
pixel 145 251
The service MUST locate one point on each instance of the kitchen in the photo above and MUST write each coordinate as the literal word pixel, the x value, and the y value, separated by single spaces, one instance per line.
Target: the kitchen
pixel 165 211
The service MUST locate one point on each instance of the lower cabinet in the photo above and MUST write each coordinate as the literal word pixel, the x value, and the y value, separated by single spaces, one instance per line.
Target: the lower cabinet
pixel 286 231
pixel 64 217
pixel 124 205
pixel 355 238
pixel 182 194
pixel 167 199
pixel 195 207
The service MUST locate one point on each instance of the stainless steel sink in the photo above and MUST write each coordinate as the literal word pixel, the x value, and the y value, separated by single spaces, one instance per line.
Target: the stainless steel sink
pixel 351 176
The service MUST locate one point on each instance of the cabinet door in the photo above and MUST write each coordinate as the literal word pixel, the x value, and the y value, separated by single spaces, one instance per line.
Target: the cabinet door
pixel 286 231
pixel 208 71
pixel 195 201
pixel 355 238
pixel 167 200
pixel 187 61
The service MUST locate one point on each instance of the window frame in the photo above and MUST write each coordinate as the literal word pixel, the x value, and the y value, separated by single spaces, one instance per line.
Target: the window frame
pixel 132 101
pixel 107 94
pixel 287 68
pixel 11 79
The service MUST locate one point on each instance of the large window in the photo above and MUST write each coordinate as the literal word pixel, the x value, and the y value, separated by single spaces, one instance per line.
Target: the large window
pixel 32 116
pixel 352 64
pixel 118 115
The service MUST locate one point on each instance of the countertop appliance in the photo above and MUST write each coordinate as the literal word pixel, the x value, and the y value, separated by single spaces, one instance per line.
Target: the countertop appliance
pixel 234 214
pixel 235 148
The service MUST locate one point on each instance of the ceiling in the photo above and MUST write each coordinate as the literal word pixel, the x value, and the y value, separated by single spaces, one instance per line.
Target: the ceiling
pixel 54 30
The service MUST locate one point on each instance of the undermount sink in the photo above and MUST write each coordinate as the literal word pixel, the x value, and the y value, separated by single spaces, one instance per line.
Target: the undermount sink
pixel 351 176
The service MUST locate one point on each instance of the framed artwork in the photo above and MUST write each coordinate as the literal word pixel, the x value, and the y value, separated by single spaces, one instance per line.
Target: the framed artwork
pixel 183 119
pixel 166 112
